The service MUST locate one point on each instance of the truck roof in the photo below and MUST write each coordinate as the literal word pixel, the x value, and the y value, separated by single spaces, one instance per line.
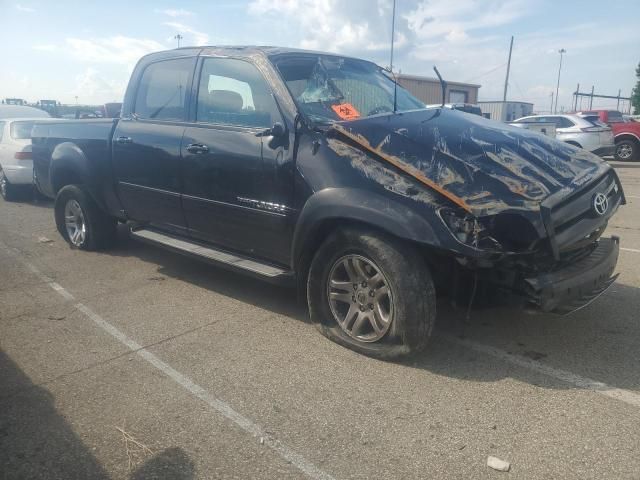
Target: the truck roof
pixel 242 50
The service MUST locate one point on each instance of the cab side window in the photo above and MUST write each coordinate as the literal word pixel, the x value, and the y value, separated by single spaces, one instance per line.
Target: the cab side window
pixel 162 90
pixel 233 92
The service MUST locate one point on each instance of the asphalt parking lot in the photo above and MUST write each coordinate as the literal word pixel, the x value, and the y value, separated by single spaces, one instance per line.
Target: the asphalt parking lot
pixel 139 363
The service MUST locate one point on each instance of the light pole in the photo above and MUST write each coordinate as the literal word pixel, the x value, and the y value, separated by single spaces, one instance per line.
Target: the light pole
pixel 178 37
pixel 562 51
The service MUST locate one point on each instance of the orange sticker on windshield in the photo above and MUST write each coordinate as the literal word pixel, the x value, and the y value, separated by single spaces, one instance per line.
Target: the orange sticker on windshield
pixel 346 111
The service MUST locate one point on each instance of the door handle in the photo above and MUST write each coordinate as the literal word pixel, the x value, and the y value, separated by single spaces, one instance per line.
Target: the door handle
pixel 197 148
pixel 123 140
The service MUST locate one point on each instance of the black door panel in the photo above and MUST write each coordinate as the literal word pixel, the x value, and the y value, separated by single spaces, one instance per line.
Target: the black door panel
pixel 147 144
pixel 148 171
pixel 238 183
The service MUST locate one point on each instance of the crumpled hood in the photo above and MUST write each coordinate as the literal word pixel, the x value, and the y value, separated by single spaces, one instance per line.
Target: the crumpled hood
pixel 485 166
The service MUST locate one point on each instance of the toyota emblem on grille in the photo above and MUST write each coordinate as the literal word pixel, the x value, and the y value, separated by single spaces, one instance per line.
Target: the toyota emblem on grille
pixel 600 203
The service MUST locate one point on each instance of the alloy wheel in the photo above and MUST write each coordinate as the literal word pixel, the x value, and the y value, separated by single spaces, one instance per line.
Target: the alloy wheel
pixel 75 223
pixel 360 298
pixel 624 151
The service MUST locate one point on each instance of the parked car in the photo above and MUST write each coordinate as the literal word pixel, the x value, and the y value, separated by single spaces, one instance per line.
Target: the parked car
pixel 462 107
pixel 311 169
pixel 548 128
pixel 111 110
pixel 590 135
pixel 626 134
pixel 16 166
pixel 21 111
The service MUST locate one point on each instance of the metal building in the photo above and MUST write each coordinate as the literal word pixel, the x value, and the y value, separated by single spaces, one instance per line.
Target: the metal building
pixel 505 111
pixel 429 91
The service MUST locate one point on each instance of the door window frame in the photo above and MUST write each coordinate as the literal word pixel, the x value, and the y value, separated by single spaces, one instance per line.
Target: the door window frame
pixel 193 104
pixel 188 93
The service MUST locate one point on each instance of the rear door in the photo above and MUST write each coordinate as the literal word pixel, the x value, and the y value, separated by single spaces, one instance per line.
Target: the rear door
pixel 237 184
pixel 146 145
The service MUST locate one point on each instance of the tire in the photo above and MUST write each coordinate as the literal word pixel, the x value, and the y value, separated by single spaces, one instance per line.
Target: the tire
pixel 37 195
pixel 411 303
pixel 97 229
pixel 627 150
pixel 8 191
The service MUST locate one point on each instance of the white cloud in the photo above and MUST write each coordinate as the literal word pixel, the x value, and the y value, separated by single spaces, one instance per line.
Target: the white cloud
pixel 194 37
pixel 92 87
pixel 48 47
pixel 175 12
pixel 24 8
pixel 332 25
pixel 117 49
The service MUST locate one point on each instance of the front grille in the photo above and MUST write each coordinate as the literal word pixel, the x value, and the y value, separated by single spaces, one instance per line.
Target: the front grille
pixel 573 223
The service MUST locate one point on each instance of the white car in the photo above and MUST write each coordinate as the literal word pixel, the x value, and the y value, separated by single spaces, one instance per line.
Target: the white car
pixel 16 165
pixel 21 111
pixel 589 134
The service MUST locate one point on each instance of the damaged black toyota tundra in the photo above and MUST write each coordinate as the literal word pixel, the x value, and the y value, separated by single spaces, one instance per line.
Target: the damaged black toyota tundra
pixel 319 171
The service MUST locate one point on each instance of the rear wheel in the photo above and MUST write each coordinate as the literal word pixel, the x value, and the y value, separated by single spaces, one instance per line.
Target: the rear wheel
pixel 81 222
pixel 8 191
pixel 626 150
pixel 371 293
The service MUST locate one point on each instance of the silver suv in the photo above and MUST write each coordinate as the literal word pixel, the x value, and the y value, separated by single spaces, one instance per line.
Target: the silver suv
pixel 589 134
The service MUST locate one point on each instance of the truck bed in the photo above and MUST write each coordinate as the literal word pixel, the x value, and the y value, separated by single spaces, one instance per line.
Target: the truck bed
pixel 79 142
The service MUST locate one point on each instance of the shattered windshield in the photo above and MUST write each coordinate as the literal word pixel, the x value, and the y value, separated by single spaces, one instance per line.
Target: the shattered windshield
pixel 329 88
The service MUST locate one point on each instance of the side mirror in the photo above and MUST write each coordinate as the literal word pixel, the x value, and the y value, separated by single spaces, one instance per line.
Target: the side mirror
pixel 277 130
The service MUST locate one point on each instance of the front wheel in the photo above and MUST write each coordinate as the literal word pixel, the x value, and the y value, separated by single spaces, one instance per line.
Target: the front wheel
pixel 81 222
pixel 372 293
pixel 626 150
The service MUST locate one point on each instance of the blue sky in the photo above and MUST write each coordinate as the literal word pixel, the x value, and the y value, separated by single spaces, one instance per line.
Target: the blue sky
pixel 59 49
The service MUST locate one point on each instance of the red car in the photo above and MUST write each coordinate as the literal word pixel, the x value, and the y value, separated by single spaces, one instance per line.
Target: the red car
pixel 626 134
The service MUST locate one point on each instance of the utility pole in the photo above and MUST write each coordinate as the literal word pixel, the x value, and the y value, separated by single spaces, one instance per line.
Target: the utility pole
pixel 562 51
pixel 178 37
pixel 395 82
pixel 506 80
pixel 393 31
pixel 551 109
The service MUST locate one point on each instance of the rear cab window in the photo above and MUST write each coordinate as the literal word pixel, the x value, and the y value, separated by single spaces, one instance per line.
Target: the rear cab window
pixel 615 116
pixel 163 89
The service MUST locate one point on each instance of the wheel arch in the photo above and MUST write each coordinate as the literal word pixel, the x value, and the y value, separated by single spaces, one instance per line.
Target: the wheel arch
pixel 335 208
pixel 628 136
pixel 69 166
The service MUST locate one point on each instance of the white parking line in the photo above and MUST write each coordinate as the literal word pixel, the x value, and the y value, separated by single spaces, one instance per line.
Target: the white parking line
pixel 297 460
pixel 632 196
pixel 634 250
pixel 625 396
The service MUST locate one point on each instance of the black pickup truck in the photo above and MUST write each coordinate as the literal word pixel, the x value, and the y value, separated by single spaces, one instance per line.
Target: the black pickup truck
pixel 319 171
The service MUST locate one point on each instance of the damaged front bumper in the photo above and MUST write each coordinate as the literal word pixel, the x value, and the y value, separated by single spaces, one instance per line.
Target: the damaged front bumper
pixel 575 286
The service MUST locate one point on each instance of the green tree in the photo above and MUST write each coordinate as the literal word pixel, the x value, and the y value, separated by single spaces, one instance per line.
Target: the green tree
pixel 635 93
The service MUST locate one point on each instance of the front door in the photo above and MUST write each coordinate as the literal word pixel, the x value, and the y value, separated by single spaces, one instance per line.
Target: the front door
pixel 146 145
pixel 237 190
